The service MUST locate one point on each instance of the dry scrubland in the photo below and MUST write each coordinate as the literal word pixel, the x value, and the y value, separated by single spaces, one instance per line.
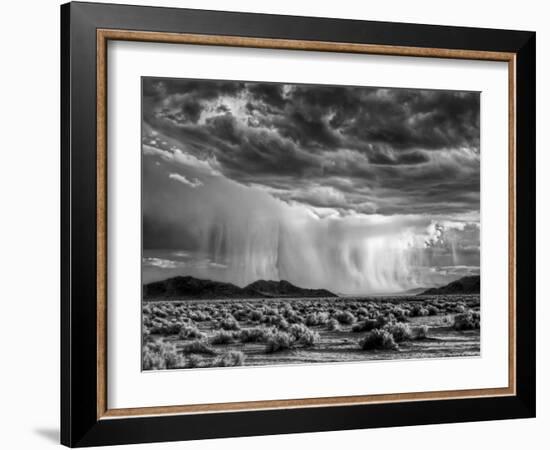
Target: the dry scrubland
pixel 224 333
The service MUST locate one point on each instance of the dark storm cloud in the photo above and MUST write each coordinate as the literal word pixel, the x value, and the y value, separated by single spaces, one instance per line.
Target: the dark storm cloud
pixel 268 93
pixel 372 149
pixel 405 119
pixel 182 100
pixel 413 157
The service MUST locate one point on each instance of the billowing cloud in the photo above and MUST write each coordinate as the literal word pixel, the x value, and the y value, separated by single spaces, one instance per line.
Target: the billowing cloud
pixel 191 183
pixel 278 135
pixel 163 263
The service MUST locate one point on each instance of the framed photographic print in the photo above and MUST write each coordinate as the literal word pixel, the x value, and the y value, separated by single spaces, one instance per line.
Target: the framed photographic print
pixel 276 224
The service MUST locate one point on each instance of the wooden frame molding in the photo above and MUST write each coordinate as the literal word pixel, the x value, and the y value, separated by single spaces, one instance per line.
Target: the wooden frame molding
pixel 103 36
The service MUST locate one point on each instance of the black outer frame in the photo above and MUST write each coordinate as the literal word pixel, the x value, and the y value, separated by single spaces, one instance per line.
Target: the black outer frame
pixel 79 423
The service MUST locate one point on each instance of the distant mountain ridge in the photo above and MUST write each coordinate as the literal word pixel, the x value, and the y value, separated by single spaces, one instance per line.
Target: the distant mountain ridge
pixel 187 287
pixel 464 285
pixel 283 288
pixel 414 291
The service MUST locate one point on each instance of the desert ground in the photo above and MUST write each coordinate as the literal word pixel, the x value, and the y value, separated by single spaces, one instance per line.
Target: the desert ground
pixel 224 333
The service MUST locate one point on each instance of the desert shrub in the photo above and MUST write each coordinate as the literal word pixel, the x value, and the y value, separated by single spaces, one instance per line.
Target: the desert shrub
pixel 146 335
pixel 277 341
pixel 418 310
pixel 311 319
pixel 365 325
pixel 159 312
pixel 198 346
pixel 400 314
pixel 147 320
pixel 190 332
pixel 222 338
pixel 308 339
pixel 420 332
pixel 423 312
pixel 241 314
pixel 199 316
pixel 270 311
pixel 432 310
pixel 333 325
pixel 277 320
pixel 230 359
pixel 317 318
pixel 229 323
pixel 400 331
pixel 378 339
pixel 297 329
pixel 283 324
pixel 287 310
pixel 258 334
pixel 303 335
pixel 192 361
pixel 294 317
pixel 164 327
pixel 459 309
pixel 381 320
pixel 160 355
pixel 466 321
pixel 345 317
pixel 256 315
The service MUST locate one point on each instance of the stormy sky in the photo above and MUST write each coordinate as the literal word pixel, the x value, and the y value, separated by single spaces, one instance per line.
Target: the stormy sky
pixel 359 190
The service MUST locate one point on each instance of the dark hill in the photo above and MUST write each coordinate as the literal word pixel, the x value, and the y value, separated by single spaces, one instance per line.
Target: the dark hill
pixel 190 287
pixel 285 289
pixel 464 285
pixel 195 288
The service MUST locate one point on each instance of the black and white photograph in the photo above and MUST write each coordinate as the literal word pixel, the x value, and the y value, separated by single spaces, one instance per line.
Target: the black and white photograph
pixel 287 223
